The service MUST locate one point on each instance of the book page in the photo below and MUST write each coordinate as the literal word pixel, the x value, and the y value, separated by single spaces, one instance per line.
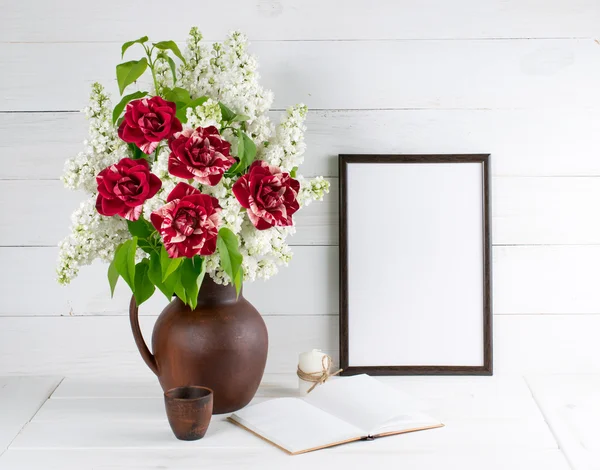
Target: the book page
pixel 295 425
pixel 367 403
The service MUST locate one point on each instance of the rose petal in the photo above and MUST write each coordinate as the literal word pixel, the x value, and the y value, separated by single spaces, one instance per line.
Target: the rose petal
pixel 180 191
pixel 148 147
pixel 241 191
pixel 110 207
pixel 132 213
pixel 155 185
pixel 176 168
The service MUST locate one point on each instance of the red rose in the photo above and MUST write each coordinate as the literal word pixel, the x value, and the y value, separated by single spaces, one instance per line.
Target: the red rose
pixel 201 154
pixel 148 121
pixel 268 194
pixel 188 222
pixel 124 187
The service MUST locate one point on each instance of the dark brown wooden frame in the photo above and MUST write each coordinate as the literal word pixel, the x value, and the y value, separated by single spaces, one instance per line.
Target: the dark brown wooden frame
pixel 486 369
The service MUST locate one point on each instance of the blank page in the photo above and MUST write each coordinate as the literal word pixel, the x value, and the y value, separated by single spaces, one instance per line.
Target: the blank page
pixel 366 402
pixel 295 425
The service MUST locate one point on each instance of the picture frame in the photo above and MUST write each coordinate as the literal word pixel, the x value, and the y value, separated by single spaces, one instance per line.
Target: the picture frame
pixel 415 265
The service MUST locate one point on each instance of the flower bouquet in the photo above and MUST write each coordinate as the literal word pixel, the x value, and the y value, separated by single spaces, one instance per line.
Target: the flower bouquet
pixel 186 175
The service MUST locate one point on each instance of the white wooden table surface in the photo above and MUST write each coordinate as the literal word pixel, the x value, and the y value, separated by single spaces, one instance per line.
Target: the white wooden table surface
pixel 547 423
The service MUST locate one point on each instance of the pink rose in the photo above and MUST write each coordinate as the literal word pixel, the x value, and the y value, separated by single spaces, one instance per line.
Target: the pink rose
pixel 124 187
pixel 201 154
pixel 148 121
pixel 268 194
pixel 188 223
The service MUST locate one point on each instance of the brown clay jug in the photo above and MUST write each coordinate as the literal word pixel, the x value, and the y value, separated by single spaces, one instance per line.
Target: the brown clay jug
pixel 222 345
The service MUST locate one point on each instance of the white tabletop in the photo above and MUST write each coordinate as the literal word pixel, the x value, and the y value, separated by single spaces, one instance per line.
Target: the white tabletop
pixel 491 423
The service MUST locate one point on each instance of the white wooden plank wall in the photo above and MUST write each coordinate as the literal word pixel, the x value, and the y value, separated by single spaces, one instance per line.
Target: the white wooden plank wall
pixel 517 79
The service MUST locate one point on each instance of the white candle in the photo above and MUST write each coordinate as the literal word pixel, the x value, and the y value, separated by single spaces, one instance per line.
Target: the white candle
pixel 310 362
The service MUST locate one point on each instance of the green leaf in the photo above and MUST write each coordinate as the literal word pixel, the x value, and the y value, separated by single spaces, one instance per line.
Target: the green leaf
pixel 143 286
pixel 226 113
pixel 231 259
pixel 180 291
pixel 246 152
pixel 241 151
pixel 181 97
pixel 126 99
pixel 140 228
pixel 181 114
pixel 129 72
pixel 168 265
pixel 197 102
pixel 293 172
pixel 192 274
pixel 171 268
pixel 249 149
pixel 155 276
pixel 128 44
pixel 178 95
pixel 171 46
pixel 173 68
pixel 201 274
pixel 240 118
pixel 136 152
pixel 125 261
pixel 144 230
pixel 146 246
pixel 239 279
pixel 113 277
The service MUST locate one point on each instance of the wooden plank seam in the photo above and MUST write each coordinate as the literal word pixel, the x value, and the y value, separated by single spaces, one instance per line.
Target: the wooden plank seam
pixel 33 416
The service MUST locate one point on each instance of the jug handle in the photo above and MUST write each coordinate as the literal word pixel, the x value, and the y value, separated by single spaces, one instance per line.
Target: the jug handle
pixel 149 359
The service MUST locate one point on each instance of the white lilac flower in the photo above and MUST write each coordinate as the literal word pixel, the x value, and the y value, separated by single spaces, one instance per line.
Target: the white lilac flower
pixel 312 190
pixel 204 115
pixel 227 73
pixel 194 74
pixel 286 148
pixel 260 130
pixel 92 236
pixel 162 69
pixel 102 148
pixel 231 214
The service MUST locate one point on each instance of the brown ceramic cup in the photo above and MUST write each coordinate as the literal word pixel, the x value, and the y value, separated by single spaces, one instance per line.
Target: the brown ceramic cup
pixel 189 410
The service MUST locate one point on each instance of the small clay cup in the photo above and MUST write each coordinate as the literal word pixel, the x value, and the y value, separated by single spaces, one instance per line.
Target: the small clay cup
pixel 189 410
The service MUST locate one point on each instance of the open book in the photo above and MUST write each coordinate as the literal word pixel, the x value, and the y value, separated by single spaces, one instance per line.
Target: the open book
pixel 342 410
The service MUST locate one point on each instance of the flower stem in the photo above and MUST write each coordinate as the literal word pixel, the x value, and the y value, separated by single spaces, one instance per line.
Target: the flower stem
pixel 156 152
pixel 151 65
pixel 154 78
